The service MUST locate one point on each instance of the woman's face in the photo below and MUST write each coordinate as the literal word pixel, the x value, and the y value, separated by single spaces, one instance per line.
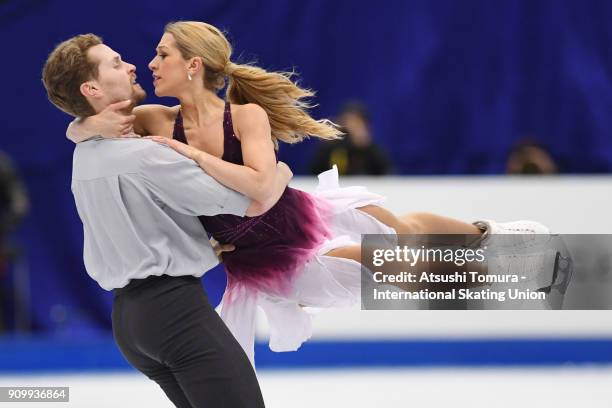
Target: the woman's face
pixel 169 68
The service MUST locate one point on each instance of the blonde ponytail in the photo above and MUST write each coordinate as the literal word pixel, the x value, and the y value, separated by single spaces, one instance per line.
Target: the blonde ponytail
pixel 282 99
pixel 284 102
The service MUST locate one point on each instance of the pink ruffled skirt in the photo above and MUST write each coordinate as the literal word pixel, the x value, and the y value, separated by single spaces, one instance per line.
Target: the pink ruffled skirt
pixel 313 279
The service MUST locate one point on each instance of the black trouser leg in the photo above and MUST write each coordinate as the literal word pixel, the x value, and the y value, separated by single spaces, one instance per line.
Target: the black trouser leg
pixel 167 329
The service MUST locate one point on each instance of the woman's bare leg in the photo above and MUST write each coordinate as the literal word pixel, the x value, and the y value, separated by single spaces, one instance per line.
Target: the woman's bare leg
pixel 420 222
pixel 354 253
pixel 427 223
pixel 348 252
pixel 414 223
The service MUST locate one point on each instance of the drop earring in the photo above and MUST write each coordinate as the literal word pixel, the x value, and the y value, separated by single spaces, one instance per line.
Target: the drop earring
pixel 189 76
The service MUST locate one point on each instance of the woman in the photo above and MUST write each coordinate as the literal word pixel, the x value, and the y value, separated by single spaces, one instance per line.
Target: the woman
pixel 306 250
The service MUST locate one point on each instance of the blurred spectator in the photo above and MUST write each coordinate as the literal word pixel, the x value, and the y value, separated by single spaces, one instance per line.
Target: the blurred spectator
pixel 355 153
pixel 14 205
pixel 529 157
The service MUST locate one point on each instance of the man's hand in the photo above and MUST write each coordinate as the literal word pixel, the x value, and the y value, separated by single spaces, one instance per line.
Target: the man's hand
pixel 221 248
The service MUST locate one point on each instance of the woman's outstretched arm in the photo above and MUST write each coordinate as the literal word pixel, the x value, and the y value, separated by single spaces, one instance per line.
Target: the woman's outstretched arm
pixel 120 120
pixel 281 177
pixel 258 176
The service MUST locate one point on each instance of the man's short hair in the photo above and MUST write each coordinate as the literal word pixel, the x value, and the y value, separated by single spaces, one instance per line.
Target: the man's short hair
pixel 66 69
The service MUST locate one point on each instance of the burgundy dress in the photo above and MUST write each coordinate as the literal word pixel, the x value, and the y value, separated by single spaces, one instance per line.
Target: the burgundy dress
pixel 270 247
pixel 280 262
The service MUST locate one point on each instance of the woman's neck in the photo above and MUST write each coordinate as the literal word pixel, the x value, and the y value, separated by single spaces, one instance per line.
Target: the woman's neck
pixel 201 106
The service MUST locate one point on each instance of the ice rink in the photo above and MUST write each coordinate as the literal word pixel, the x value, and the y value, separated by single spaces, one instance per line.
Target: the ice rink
pixel 439 358
pixel 558 387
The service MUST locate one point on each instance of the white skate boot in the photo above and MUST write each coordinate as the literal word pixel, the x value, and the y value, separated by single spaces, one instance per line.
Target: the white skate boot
pixel 540 260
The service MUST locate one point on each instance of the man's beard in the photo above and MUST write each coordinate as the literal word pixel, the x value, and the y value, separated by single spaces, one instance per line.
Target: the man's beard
pixel 138 95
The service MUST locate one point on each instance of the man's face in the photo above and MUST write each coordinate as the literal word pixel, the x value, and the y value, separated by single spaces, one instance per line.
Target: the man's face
pixel 116 78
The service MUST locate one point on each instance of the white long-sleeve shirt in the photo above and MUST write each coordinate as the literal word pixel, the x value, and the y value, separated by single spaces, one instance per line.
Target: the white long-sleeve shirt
pixel 138 201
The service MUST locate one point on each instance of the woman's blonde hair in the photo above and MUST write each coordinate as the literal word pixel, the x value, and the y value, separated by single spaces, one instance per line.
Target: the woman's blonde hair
pixel 282 99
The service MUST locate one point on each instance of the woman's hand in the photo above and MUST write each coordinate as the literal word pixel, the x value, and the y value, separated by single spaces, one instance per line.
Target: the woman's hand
pixel 284 172
pixel 184 149
pixel 111 122
pixel 114 122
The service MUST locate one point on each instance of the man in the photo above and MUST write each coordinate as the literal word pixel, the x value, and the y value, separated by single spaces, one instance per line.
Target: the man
pixel 138 202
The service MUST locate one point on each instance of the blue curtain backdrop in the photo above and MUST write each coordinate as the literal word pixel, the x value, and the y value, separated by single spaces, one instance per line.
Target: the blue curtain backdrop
pixel 451 85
